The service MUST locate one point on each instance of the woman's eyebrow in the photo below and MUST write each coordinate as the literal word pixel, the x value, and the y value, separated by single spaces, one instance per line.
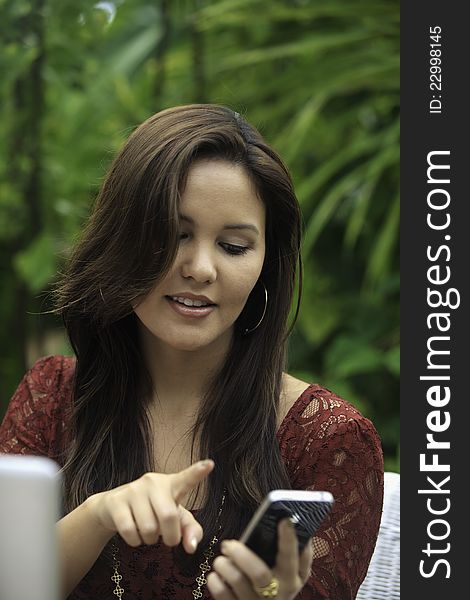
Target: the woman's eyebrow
pixel 242 226
pixel 249 226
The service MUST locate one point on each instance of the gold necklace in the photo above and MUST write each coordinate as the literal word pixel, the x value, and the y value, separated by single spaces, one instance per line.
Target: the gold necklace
pixel 116 577
pixel 208 555
pixel 205 566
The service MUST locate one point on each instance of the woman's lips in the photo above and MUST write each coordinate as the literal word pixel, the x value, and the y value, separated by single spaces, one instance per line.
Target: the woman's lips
pixel 190 311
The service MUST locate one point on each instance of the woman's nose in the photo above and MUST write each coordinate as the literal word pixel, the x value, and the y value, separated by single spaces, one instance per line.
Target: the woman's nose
pixel 198 263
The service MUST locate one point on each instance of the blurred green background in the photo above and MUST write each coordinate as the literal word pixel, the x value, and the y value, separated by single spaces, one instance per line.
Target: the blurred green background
pixel 319 78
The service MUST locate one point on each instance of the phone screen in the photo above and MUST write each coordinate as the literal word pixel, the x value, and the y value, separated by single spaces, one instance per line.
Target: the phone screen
pixel 306 516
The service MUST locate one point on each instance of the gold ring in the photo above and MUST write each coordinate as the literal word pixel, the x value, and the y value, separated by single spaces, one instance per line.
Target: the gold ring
pixel 268 591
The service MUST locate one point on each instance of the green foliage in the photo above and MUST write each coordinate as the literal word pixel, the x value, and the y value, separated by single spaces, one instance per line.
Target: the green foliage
pixel 321 82
pixel 37 265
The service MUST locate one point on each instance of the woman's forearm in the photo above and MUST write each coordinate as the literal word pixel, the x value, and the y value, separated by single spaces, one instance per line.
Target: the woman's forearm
pixel 81 540
pixel 132 509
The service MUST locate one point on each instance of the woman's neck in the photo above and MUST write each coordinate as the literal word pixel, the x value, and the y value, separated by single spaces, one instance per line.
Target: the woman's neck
pixel 180 377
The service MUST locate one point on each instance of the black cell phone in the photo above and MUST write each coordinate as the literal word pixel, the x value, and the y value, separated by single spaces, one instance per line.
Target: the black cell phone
pixel 305 509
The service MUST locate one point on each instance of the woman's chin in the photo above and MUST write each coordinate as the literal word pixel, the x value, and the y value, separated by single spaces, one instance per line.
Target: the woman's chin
pixel 190 346
pixel 195 341
pixel 188 343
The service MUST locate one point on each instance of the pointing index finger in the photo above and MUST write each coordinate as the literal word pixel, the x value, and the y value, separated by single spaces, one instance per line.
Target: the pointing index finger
pixel 189 478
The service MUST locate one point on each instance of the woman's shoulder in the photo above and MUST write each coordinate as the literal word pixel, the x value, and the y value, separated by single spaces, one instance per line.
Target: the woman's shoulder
pixel 56 362
pixel 319 422
pixel 292 390
pixel 38 410
pixel 50 374
pixel 46 385
pixel 313 407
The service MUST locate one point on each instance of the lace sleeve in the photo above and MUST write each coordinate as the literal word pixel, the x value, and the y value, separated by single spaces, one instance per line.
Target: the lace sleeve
pixel 33 423
pixel 339 451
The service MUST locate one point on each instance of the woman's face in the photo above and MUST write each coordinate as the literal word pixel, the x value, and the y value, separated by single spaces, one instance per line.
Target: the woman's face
pixel 219 260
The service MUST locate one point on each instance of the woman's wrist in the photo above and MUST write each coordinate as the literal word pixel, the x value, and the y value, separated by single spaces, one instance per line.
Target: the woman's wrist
pixel 82 537
pixel 92 507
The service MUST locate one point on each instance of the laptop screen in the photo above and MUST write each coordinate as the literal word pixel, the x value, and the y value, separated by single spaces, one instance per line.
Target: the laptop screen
pixel 29 510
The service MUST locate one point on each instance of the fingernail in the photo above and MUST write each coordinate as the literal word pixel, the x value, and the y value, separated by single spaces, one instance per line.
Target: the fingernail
pixel 205 463
pixel 193 543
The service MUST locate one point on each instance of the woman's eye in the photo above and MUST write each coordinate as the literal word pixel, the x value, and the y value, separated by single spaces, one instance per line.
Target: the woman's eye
pixel 234 249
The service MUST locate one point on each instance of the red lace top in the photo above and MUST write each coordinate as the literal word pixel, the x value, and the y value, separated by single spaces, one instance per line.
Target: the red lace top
pixel 325 443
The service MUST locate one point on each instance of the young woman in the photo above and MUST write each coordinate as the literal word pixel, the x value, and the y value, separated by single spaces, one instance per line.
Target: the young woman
pixel 176 301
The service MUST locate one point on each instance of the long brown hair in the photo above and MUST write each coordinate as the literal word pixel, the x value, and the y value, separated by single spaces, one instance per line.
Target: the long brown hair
pixel 129 243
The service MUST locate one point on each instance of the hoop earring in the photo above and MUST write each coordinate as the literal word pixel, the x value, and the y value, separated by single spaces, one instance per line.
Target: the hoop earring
pixel 247 331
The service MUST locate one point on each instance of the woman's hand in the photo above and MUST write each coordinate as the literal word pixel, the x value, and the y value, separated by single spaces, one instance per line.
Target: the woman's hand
pixel 239 571
pixel 149 507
